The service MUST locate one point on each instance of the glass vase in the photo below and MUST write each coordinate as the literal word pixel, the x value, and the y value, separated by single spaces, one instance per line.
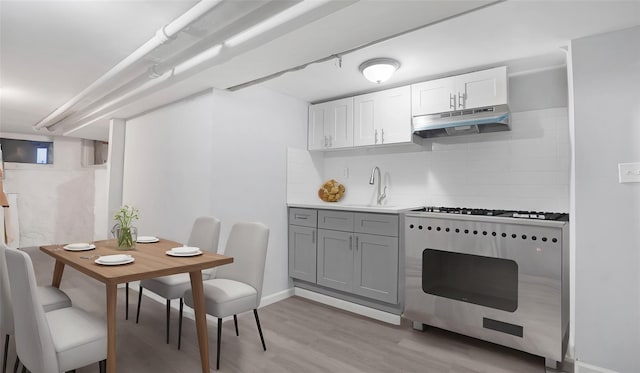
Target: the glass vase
pixel 126 237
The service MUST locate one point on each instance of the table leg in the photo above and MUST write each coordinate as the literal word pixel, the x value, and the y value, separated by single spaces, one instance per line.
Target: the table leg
pixel 57 274
pixel 201 318
pixel 112 292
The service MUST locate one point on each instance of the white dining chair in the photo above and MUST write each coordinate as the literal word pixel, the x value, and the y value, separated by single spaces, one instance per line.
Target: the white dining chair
pixel 205 235
pixel 50 298
pixel 237 287
pixel 56 341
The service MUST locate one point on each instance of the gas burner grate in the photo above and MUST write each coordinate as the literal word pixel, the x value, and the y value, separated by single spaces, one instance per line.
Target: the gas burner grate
pixel 537 215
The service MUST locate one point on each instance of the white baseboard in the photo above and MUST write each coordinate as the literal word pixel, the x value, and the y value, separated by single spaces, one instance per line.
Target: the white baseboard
pixel 373 313
pixel 276 297
pixel 588 368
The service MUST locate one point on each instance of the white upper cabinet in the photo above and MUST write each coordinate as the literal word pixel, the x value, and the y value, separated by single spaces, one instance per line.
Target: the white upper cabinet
pixel 434 96
pixel 331 125
pixel 472 90
pixel 383 117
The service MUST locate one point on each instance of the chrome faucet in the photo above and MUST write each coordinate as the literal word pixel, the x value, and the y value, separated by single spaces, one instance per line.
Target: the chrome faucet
pixel 372 180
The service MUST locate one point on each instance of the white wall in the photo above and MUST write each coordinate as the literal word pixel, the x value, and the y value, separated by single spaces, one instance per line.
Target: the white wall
pixel 252 130
pixel 55 202
pixel 606 76
pixel 221 154
pixel 100 212
pixel 167 172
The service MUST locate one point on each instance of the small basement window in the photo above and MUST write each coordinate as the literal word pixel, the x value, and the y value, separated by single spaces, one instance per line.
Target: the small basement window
pixel 27 151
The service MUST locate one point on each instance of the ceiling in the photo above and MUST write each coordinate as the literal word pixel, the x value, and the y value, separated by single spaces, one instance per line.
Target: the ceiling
pixel 51 50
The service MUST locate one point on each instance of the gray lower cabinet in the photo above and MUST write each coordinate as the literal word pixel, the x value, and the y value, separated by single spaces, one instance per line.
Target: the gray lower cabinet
pixel 335 259
pixel 362 264
pixel 302 253
pixel 346 255
pixel 302 243
pixel 375 271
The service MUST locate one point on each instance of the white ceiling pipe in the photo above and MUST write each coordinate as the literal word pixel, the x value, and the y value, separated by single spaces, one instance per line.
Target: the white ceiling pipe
pixel 145 89
pixel 270 23
pixel 162 35
pixel 218 53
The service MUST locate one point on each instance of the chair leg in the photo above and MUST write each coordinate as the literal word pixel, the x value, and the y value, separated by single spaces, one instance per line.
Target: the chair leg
pixel 168 320
pixel 180 323
pixel 235 322
pixel 16 365
pixel 219 338
pixel 103 366
pixel 6 351
pixel 139 301
pixel 255 313
pixel 126 302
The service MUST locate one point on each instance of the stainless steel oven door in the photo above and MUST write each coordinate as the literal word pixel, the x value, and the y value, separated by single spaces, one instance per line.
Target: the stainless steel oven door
pixel 495 279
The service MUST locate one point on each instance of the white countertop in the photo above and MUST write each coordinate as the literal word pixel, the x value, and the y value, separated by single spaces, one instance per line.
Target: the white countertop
pixel 393 209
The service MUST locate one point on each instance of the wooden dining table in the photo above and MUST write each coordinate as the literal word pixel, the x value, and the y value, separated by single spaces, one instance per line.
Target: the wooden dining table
pixel 151 260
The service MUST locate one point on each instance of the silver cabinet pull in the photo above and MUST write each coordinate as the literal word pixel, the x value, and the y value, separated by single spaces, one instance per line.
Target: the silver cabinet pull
pixel 325 142
pixel 382 137
pixel 313 236
pixel 357 239
pixel 462 100
pixel 375 136
pixel 452 101
pixel 330 141
pixel 302 217
pixel 350 242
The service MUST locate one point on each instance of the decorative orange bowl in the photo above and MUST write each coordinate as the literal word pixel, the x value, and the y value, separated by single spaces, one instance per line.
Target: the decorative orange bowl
pixel 331 191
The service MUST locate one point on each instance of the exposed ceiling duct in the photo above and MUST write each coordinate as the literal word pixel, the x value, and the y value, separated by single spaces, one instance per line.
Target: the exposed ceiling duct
pixel 240 27
pixel 163 35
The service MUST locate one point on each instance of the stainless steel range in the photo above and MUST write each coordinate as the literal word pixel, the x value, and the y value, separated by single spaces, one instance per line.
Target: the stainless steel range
pixel 501 276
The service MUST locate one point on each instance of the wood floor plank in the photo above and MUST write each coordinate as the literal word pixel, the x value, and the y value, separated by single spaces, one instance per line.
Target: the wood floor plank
pixel 301 336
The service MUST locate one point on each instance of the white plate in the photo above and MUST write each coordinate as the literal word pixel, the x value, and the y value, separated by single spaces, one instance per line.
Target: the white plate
pixel 147 239
pixel 172 253
pixel 185 250
pixel 81 246
pixel 115 259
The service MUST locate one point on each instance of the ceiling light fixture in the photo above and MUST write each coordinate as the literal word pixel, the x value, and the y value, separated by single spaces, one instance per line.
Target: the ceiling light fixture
pixel 378 70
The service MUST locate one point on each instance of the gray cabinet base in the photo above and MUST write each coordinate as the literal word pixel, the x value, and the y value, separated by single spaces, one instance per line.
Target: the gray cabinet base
pixel 395 309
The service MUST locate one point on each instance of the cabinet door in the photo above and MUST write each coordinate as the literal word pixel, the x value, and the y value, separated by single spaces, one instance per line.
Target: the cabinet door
pixel 375 272
pixel 316 137
pixel 335 259
pixel 482 88
pixel 338 123
pixel 364 120
pixel 382 117
pixel 302 253
pixel 393 115
pixel 434 96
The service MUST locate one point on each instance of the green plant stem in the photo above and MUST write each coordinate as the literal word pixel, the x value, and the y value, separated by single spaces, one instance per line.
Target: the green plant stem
pixel 124 238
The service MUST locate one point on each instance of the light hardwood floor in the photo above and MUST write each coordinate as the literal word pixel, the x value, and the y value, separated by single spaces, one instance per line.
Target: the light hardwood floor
pixel 301 336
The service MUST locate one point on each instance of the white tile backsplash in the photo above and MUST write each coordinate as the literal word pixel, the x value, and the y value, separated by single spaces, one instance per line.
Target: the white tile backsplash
pixel 526 168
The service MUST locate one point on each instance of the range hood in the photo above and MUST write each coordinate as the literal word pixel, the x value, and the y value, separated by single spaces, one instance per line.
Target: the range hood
pixel 462 122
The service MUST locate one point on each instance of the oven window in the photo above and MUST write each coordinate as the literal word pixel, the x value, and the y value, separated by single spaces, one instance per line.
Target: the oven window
pixel 489 282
